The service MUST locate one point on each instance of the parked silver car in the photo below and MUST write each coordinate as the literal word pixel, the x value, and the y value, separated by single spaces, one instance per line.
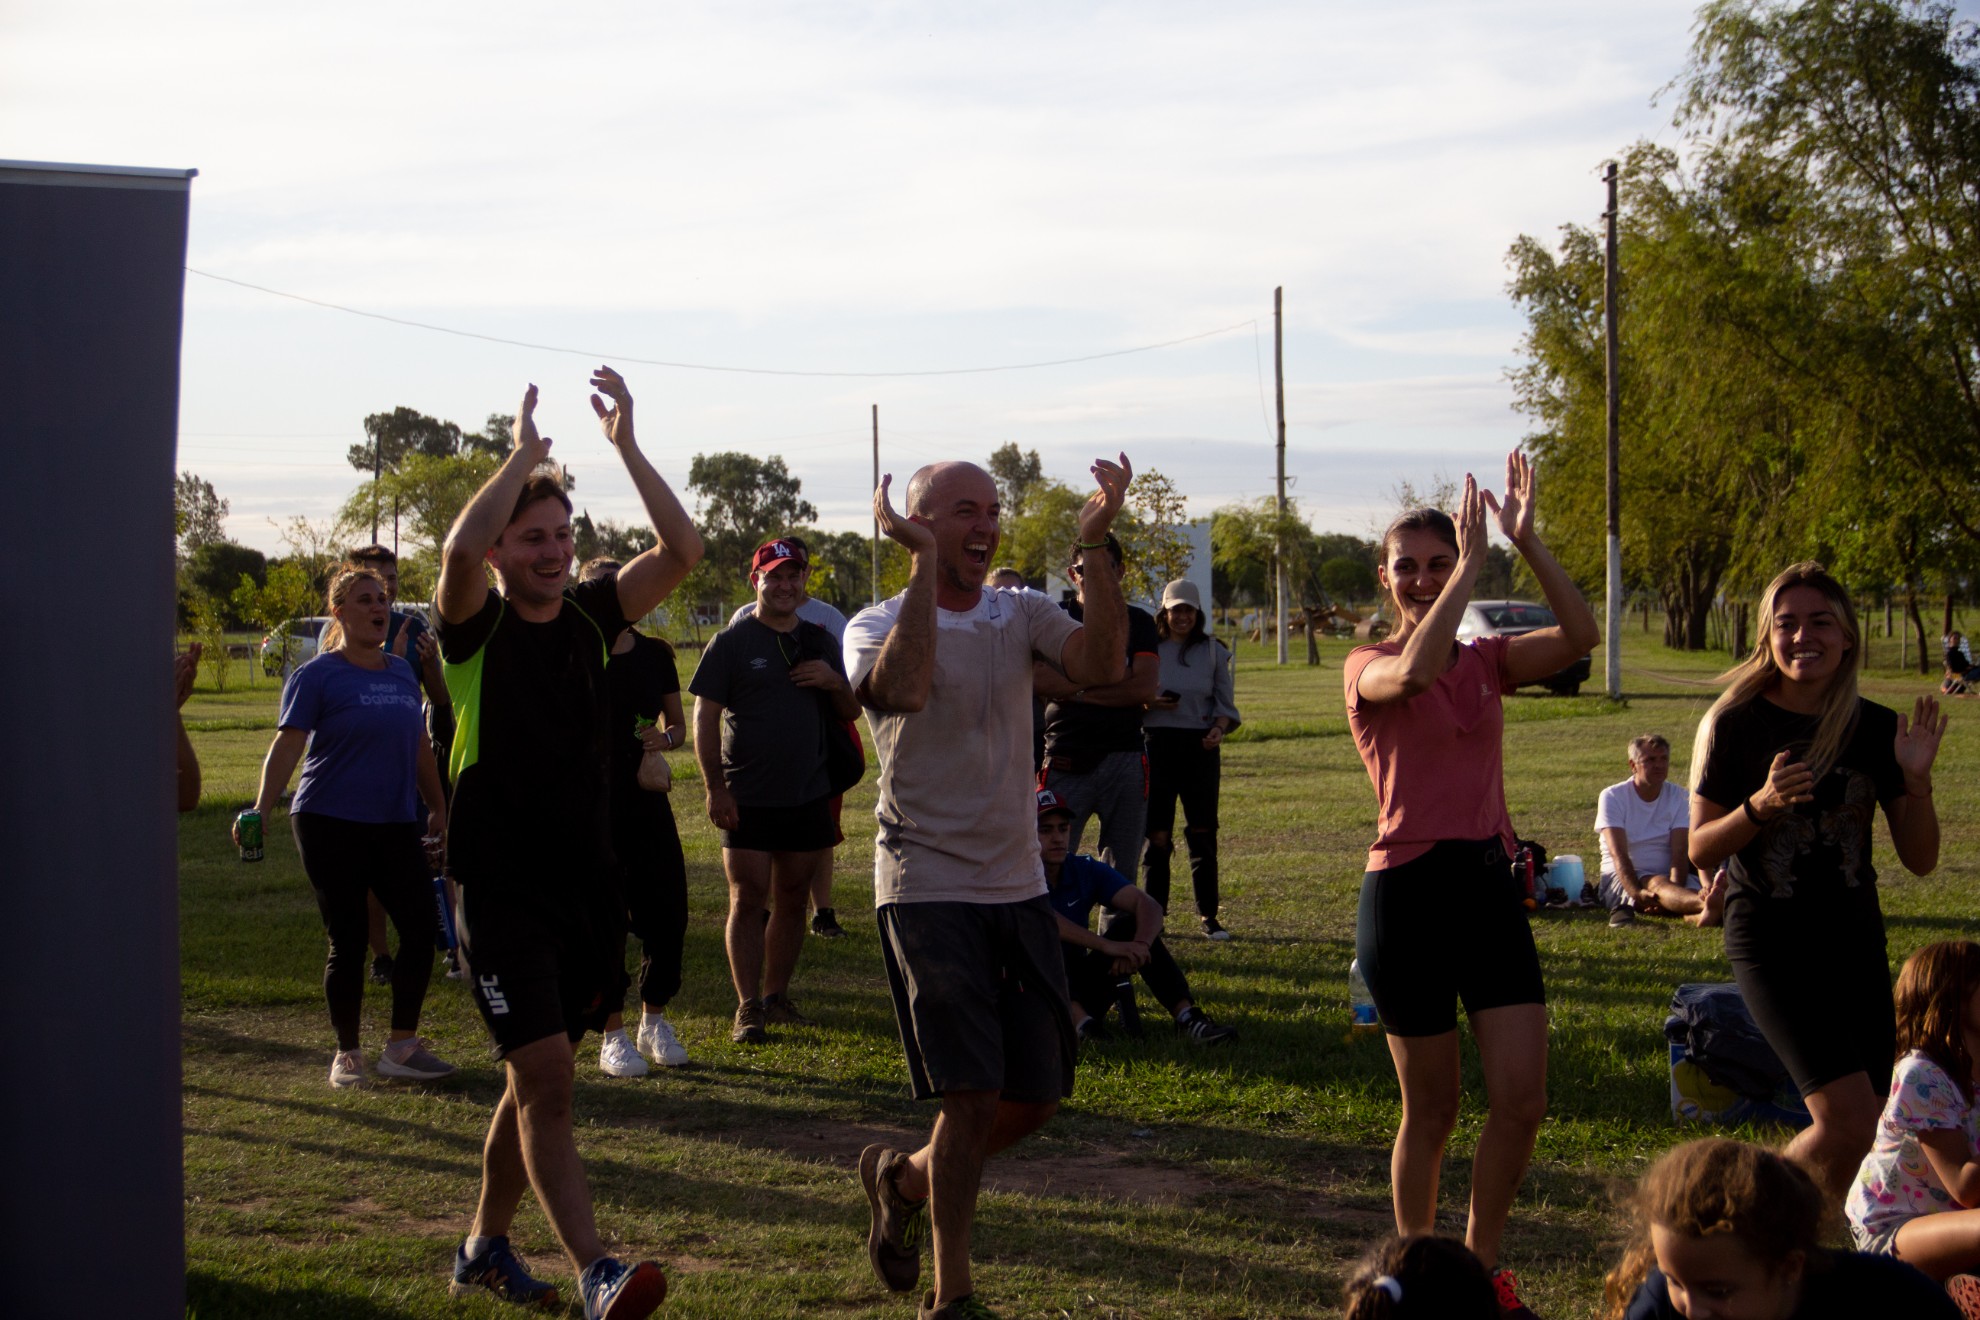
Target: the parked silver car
pixel 296 642
pixel 1510 618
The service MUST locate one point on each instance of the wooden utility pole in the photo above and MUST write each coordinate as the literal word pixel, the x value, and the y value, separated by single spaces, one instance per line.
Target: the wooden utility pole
pixel 1278 531
pixel 875 584
pixel 377 464
pixel 1610 356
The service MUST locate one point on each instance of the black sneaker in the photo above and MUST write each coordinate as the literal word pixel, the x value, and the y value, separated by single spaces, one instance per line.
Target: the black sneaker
pixel 780 1010
pixel 381 969
pixel 1202 1031
pixel 825 924
pixel 1624 915
pixel 1094 1030
pixel 1214 930
pixel 893 1240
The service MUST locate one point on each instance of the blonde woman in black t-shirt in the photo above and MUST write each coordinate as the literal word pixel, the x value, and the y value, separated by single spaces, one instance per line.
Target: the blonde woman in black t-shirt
pixel 1788 769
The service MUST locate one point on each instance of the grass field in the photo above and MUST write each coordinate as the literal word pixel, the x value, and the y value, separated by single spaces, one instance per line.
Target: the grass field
pixel 1177 1182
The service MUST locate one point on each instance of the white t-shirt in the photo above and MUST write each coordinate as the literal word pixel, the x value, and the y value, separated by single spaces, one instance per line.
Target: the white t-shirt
pixel 957 812
pixel 1646 826
pixel 813 610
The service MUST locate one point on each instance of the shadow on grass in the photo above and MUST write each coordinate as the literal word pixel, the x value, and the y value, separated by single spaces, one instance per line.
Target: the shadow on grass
pixel 211 1297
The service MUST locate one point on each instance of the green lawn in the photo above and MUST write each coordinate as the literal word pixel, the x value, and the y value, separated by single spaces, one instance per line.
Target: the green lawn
pixel 1177 1182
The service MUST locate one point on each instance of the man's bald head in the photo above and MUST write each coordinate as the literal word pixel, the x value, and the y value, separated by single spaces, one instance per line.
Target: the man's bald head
pixel 930 483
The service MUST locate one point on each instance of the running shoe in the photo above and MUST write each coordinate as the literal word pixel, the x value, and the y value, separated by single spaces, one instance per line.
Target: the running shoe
pixel 1214 930
pixel 780 1009
pixel 500 1271
pixel 1093 1031
pixel 965 1307
pixel 825 924
pixel 749 1023
pixel 898 1227
pixel 619 1057
pixel 614 1290
pixel 1202 1031
pixel 347 1069
pixel 1510 1306
pixel 1964 1289
pixel 1624 915
pixel 381 969
pixel 413 1064
pixel 454 969
pixel 658 1042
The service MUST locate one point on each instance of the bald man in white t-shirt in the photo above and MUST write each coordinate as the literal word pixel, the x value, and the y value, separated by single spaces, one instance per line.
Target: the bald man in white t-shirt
pixel 1644 826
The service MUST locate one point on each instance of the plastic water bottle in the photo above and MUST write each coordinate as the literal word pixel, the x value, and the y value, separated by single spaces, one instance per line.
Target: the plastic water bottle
pixel 1361 1004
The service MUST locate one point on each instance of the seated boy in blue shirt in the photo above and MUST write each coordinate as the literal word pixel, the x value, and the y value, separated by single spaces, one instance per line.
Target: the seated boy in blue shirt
pixel 1095 963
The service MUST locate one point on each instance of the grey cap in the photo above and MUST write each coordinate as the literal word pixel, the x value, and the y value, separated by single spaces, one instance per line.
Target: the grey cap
pixel 1182 592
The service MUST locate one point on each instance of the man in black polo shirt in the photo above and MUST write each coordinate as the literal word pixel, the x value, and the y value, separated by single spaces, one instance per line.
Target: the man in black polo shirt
pixel 1094 760
pixel 764 689
pixel 529 836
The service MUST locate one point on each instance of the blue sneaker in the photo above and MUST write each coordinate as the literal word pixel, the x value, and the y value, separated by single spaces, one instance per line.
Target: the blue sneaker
pixel 614 1290
pixel 500 1271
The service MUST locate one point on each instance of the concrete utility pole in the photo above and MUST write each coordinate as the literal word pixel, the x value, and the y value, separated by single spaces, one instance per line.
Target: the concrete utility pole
pixel 1278 532
pixel 1612 633
pixel 876 517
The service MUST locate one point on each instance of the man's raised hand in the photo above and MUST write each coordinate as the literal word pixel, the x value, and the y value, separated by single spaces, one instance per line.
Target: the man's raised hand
pixel 532 446
pixel 1096 516
pixel 917 537
pixel 618 419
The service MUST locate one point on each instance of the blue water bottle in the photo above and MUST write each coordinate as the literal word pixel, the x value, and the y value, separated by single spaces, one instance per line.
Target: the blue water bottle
pixel 1361 1004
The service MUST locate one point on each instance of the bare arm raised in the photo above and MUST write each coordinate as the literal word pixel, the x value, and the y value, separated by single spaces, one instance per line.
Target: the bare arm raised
pixel 1096 655
pixel 1545 650
pixel 653 574
pixel 463 577
pixel 904 671
pixel 1426 651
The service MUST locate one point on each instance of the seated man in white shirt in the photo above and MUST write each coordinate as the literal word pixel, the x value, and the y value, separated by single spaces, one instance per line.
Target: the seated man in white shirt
pixel 1644 823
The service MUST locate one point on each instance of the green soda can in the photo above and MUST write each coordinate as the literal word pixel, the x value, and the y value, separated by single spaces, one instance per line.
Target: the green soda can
pixel 249 825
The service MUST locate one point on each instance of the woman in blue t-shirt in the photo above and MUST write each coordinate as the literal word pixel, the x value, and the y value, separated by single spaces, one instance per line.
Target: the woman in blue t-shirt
pixel 352 717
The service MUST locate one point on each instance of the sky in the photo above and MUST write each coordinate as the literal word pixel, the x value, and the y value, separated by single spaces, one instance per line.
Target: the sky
pixel 856 188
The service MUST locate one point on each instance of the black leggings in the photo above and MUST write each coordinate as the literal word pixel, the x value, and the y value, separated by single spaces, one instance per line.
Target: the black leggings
pixel 653 876
pixel 1179 766
pixel 344 859
pixel 1090 977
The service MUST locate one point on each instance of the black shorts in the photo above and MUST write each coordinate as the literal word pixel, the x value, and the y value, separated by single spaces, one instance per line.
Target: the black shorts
pixel 1816 975
pixel 1445 927
pixel 542 966
pixel 980 996
pixel 806 827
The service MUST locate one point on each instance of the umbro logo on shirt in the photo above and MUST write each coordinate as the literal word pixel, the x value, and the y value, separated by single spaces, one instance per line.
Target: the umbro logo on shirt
pixel 759 662
pixel 1484 689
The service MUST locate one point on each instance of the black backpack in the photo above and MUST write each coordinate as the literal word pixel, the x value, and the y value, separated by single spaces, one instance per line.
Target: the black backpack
pixel 1711 1020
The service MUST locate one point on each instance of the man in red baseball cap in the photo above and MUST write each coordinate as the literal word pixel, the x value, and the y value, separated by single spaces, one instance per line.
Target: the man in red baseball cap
pixel 763 693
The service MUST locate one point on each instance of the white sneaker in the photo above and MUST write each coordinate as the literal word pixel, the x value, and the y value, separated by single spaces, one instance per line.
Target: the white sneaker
pixel 347 1069
pixel 618 1058
pixel 658 1042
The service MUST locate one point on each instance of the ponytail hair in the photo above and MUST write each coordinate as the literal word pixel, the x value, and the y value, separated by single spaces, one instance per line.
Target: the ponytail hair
pixel 1758 673
pixel 1420 1278
pixel 340 589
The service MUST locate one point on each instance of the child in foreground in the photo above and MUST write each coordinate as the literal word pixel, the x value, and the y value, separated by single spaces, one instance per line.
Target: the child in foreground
pixel 1420 1278
pixel 1728 1231
pixel 1910 1195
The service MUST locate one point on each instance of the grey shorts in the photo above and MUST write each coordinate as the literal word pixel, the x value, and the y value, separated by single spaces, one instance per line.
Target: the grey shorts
pixel 980 996
pixel 1878 1242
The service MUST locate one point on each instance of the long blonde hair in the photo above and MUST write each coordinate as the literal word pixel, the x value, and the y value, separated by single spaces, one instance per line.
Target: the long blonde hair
pixel 1758 673
pixel 340 590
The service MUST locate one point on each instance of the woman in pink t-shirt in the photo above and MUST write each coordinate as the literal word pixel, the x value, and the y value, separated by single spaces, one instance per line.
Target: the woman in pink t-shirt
pixel 1441 919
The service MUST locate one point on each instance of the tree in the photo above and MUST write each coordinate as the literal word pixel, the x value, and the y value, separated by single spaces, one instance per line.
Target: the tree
pixel 290 592
pixel 1152 538
pixel 1016 473
pixel 1243 542
pixel 199 514
pixel 400 432
pixel 212 572
pixel 743 501
pixel 421 496
pixel 614 540
pixel 1347 580
pixel 841 567
pixel 1039 540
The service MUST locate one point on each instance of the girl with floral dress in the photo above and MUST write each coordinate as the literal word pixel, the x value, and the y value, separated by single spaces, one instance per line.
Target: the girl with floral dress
pixel 1911 1196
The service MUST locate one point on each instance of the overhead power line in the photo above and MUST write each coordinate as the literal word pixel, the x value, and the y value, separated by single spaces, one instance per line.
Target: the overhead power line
pixel 597 356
